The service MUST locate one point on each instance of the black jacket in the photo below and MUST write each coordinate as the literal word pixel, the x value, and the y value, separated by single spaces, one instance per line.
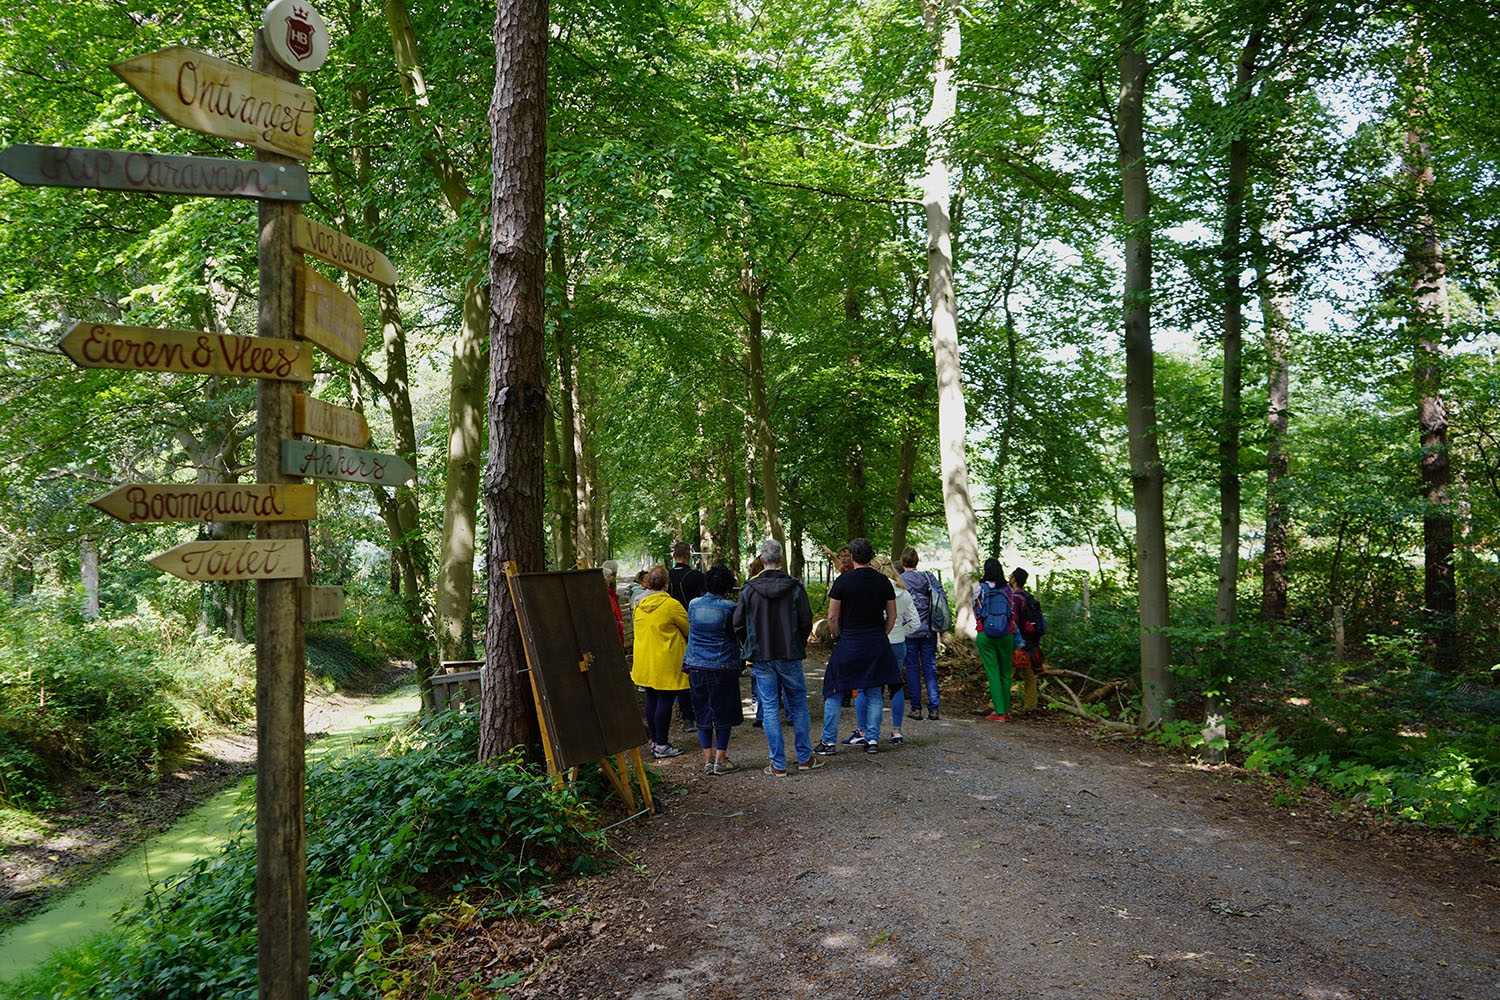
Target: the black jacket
pixel 686 583
pixel 773 618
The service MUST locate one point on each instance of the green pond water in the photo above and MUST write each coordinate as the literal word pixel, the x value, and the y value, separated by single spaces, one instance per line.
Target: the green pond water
pixel 89 909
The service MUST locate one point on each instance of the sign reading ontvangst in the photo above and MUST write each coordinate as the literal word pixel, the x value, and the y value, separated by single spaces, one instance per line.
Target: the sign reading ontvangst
pixel 192 352
pixel 197 91
pixel 163 173
pixel 252 560
pixel 326 461
pixel 154 503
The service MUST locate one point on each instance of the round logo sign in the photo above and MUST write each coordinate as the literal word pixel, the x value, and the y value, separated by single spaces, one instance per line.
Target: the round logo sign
pixel 296 35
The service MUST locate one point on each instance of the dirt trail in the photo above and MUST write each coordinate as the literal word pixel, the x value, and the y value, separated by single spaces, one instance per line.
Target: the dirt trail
pixel 1025 860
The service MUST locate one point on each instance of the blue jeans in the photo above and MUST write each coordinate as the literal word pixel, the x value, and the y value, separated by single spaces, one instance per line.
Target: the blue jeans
pixel 868 709
pixel 921 664
pixel 787 675
pixel 833 711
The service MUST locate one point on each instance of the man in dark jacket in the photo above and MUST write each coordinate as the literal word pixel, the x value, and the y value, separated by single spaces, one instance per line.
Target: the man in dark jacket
pixel 772 621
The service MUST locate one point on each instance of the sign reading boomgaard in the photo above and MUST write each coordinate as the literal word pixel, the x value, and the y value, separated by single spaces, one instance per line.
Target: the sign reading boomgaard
pixel 149 503
pixel 129 170
pixel 191 352
pixel 197 91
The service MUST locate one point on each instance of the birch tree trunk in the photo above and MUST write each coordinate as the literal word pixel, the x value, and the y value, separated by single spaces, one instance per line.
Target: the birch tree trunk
pixel 1146 473
pixel 514 494
pixel 963 531
pixel 1276 319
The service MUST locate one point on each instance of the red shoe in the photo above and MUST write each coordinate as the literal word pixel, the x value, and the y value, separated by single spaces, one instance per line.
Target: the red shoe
pixel 997 718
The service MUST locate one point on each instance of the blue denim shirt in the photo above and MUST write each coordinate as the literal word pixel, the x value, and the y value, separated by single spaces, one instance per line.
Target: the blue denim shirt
pixel 711 644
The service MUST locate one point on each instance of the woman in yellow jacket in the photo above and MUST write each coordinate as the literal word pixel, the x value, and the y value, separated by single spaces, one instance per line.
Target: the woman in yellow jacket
pixel 661 628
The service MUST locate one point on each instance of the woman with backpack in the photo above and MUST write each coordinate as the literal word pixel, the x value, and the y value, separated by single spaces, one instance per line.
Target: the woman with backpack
pixel 1026 613
pixel 921 643
pixel 995 641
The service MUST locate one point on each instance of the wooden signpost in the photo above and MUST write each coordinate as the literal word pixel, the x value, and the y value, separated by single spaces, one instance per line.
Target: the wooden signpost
pixel 315 418
pixel 139 348
pixel 197 91
pixel 129 170
pixel 156 503
pixel 327 461
pixel 255 560
pixel 330 245
pixel 322 604
pixel 327 316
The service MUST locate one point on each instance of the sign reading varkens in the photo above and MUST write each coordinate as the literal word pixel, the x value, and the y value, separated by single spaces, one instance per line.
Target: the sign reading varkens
pixel 139 348
pixel 328 317
pixel 197 91
pixel 315 418
pixel 339 250
pixel 141 503
pixel 326 461
pixel 256 560
pixel 128 170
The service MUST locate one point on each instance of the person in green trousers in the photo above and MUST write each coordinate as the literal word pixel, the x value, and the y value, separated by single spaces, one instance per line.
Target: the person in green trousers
pixel 994 641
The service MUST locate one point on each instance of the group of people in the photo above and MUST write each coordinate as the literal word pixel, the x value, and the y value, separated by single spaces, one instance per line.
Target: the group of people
pixel 691 640
pixel 1011 625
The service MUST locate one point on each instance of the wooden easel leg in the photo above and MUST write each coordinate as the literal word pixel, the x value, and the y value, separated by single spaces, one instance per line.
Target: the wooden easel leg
pixel 640 773
pixel 619 780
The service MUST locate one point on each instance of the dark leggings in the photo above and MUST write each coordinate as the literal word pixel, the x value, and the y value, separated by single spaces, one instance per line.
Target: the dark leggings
pixel 717 739
pixel 659 714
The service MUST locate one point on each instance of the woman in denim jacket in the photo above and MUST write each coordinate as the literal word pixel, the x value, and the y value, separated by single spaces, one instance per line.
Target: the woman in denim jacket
pixel 713 666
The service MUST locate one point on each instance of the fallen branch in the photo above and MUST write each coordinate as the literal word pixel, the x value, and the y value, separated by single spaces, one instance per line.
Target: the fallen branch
pixel 1077 709
pixel 1119 685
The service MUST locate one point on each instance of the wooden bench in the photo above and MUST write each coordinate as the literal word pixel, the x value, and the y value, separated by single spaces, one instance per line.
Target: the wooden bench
pixel 456 685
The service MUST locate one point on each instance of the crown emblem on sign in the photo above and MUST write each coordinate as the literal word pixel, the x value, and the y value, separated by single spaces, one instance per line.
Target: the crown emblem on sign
pixel 299 33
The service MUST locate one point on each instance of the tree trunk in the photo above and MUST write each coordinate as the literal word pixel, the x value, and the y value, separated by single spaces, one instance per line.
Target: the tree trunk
pixel 906 465
pixel 754 292
pixel 513 489
pixel 88 558
pixel 1429 301
pixel 1146 473
pixel 1276 318
pixel 1226 608
pixel 455 579
pixel 567 437
pixel 963 531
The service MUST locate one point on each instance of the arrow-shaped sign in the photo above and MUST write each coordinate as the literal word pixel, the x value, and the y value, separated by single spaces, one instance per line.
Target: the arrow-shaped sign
pixel 328 317
pixel 128 170
pixel 327 461
pixel 339 250
pixel 254 560
pixel 321 604
pixel 154 503
pixel 192 352
pixel 197 91
pixel 315 418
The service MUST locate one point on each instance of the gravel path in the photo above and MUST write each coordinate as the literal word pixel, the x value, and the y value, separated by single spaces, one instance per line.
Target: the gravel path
pixel 1024 860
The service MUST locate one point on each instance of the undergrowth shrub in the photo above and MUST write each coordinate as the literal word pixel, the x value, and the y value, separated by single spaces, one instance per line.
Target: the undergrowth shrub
pixel 392 834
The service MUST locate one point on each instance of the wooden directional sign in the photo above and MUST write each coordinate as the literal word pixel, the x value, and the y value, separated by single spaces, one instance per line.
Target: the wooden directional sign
pixel 143 503
pixel 197 91
pixel 339 250
pixel 321 604
pixel 327 461
pixel 140 348
pixel 128 170
pixel 315 418
pixel 328 317
pixel 257 560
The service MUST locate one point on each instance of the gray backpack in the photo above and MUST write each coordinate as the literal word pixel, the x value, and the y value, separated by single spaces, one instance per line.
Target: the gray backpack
pixel 941 617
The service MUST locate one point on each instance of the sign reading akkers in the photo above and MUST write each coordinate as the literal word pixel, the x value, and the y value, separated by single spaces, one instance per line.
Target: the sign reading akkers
pixel 197 91
pixel 326 461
